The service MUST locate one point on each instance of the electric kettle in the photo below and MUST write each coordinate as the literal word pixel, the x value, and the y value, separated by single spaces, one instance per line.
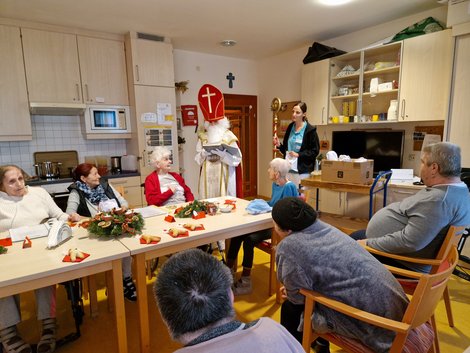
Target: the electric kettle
pixel 116 165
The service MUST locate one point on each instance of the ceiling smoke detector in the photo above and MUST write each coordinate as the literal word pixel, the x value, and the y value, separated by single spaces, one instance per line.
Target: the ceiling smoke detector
pixel 228 43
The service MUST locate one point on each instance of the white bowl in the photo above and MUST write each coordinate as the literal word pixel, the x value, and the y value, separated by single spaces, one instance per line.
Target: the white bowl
pixel 226 209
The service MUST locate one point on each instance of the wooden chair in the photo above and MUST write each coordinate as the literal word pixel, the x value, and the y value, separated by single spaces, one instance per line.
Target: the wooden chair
pixel 451 240
pixel 269 247
pixel 414 333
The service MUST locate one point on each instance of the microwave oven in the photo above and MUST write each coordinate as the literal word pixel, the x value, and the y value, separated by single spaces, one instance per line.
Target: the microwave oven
pixel 105 119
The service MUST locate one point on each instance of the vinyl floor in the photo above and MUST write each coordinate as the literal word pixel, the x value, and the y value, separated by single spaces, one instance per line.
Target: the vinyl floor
pixel 98 334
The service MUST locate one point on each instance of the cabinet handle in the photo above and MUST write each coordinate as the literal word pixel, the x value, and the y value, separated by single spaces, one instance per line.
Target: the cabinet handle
pixel 322 113
pixel 137 78
pixel 403 109
pixel 87 93
pixel 77 86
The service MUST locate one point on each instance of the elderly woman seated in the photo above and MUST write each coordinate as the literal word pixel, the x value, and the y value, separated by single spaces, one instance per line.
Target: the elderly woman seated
pixel 89 194
pixel 21 205
pixel 163 187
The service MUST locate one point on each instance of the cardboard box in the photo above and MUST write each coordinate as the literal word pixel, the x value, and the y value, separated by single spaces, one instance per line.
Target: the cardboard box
pixel 348 172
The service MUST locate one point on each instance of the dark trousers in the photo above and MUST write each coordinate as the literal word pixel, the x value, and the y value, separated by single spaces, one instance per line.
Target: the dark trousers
pixel 290 318
pixel 249 242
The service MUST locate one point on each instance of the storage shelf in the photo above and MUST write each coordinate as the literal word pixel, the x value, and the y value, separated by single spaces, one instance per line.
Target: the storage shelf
pixel 368 94
pixel 348 96
pixel 366 123
pixel 345 78
pixel 386 70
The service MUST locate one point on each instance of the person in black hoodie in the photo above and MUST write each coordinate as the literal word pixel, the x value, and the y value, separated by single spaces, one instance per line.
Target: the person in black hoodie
pixel 88 195
pixel 300 145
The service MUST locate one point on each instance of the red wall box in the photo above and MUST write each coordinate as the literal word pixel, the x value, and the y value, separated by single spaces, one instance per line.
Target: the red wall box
pixel 189 115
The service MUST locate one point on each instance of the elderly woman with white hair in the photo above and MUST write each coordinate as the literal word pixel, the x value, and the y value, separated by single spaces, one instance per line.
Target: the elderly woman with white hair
pixel 281 187
pixel 163 187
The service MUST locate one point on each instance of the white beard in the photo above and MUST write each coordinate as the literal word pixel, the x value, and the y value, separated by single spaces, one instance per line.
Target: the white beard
pixel 216 131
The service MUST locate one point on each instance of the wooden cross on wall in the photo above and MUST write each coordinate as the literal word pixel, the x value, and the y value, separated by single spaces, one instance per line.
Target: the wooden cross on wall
pixel 230 79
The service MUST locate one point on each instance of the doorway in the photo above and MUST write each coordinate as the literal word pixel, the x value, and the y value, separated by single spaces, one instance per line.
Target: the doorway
pixel 241 111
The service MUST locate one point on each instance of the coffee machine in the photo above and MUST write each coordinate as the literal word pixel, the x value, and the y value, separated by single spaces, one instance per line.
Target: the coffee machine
pixel 116 165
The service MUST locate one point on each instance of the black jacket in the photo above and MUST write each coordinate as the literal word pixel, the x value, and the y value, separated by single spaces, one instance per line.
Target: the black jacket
pixel 308 150
pixel 82 207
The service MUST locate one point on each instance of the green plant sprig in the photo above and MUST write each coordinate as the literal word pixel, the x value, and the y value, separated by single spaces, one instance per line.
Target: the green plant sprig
pixel 120 224
pixel 187 211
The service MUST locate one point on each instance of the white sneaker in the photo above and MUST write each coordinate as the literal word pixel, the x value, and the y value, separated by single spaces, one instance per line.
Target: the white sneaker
pixel 243 286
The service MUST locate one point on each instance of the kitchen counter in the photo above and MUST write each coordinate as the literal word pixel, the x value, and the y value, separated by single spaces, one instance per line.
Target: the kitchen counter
pixel 39 182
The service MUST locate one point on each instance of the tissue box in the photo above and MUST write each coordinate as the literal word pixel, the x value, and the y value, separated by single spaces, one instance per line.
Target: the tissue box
pixel 386 86
pixel 348 172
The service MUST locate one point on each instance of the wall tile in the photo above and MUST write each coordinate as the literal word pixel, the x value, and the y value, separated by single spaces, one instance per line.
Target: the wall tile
pixel 57 133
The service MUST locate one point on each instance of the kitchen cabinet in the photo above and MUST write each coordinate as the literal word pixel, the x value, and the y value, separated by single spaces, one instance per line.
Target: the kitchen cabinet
pixel 52 67
pixel 15 121
pixel 64 68
pixel 314 91
pixel 397 193
pixel 426 77
pixel 418 71
pixel 132 190
pixel 150 73
pixel 146 99
pixel 459 122
pixel 352 76
pixel 103 71
pixel 152 63
pixel 345 203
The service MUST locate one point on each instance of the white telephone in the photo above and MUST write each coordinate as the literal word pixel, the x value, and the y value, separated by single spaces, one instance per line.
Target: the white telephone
pixel 59 232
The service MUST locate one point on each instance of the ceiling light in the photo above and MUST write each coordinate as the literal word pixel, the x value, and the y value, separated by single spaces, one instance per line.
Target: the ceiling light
pixel 333 2
pixel 228 43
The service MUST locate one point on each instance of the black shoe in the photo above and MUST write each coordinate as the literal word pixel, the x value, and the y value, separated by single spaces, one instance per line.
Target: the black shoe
pixel 321 346
pixel 130 292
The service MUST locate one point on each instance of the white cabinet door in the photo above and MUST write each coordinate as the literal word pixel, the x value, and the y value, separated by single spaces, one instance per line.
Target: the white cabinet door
pixel 314 92
pixel 15 121
pixel 459 122
pixel 332 202
pixel 357 205
pixel 397 193
pixel 103 71
pixel 426 76
pixel 52 69
pixel 152 63
pixel 146 99
pixel 132 190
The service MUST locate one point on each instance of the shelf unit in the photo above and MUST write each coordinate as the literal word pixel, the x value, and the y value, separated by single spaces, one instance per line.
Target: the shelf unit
pixel 368 64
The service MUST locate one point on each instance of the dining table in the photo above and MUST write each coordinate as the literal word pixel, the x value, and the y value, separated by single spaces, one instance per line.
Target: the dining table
pixel 220 226
pixel 36 266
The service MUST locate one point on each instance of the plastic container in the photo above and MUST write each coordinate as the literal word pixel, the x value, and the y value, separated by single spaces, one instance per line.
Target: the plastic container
pixel 129 163
pixel 392 114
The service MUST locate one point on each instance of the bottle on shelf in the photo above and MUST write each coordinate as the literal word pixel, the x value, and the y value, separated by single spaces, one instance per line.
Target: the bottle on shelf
pixel 392 114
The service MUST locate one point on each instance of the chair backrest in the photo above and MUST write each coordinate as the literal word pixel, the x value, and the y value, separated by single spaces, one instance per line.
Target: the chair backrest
pixel 119 189
pixel 451 240
pixel 429 291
